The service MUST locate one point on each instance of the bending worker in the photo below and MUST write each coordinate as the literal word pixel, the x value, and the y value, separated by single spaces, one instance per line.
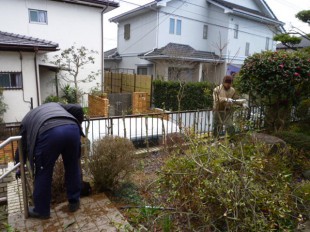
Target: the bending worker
pixel 48 131
pixel 223 99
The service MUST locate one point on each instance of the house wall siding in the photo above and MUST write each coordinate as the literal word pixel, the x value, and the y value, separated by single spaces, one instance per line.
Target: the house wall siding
pixel 68 24
pixel 220 39
pixel 249 31
pixel 18 100
pixel 142 34
pixel 194 15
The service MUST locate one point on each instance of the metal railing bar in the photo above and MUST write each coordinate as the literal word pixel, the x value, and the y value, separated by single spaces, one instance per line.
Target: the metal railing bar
pixel 10 139
pixel 9 171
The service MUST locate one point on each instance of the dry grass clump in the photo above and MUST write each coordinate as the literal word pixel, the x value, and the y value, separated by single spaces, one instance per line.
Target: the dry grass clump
pixel 110 162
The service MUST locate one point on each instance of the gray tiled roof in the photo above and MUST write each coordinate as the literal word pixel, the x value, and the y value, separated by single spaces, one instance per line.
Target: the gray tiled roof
pixel 98 2
pixel 112 54
pixel 180 51
pixel 303 44
pixel 238 7
pixel 17 42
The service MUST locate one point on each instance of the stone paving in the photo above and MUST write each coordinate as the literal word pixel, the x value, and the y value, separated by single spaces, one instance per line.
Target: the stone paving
pixel 96 213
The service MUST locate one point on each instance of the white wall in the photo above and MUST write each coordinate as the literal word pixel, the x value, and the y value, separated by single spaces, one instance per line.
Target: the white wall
pixel 17 99
pixel 47 83
pixel 142 34
pixel 218 31
pixel 252 32
pixel 68 24
pixel 193 15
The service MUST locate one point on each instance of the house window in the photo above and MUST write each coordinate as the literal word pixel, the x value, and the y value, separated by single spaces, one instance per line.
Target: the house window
pixel 142 71
pixel 247 49
pixel 205 31
pixel 37 16
pixel 236 31
pixel 172 25
pixel 179 27
pixel 175 26
pixel 11 80
pixel 127 31
pixel 267 43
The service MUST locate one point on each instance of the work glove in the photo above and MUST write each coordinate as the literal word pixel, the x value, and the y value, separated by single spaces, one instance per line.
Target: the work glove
pixel 230 100
pixel 245 106
pixel 17 174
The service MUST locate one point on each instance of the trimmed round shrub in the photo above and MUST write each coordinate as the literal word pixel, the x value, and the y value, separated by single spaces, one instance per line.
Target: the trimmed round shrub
pixel 110 162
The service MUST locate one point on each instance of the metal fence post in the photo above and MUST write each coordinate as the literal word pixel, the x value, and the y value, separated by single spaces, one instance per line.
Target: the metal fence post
pixel 23 178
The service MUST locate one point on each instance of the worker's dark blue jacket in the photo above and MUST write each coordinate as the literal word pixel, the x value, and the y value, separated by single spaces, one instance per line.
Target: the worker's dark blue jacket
pixel 41 119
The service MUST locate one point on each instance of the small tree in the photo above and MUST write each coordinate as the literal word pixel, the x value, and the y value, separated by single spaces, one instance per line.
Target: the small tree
pixel 289 39
pixel 71 61
pixel 3 106
pixel 277 80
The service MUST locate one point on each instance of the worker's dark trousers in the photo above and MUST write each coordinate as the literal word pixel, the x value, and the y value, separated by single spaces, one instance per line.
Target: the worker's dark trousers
pixel 63 140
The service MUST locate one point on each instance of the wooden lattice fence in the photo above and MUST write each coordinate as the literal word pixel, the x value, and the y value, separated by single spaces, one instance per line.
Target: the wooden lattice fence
pixel 128 83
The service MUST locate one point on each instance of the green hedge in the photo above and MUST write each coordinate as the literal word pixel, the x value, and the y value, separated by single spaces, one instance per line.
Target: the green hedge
pixel 299 141
pixel 196 95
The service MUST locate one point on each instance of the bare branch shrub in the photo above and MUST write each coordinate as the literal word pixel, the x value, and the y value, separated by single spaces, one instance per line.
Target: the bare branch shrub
pixel 111 161
pixel 58 183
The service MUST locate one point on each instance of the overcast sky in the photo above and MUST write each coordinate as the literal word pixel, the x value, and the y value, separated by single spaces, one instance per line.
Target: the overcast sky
pixel 285 10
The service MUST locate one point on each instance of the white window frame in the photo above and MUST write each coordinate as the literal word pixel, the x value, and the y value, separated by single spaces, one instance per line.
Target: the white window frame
pixel 178 29
pixel 175 26
pixel 41 12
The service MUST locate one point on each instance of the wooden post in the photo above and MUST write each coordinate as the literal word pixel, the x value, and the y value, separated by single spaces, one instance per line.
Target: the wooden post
pixel 121 89
pixel 134 82
pixel 151 92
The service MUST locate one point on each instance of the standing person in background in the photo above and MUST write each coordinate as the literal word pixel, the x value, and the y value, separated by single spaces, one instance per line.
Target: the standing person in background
pixel 48 131
pixel 223 99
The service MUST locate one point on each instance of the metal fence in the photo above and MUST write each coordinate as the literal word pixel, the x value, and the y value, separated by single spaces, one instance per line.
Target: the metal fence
pixel 154 127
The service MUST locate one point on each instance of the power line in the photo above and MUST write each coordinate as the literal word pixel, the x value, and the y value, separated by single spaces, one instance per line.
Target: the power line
pixel 176 15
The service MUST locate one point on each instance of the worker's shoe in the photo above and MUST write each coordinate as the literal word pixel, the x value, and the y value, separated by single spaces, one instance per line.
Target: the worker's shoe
pixel 33 214
pixel 74 206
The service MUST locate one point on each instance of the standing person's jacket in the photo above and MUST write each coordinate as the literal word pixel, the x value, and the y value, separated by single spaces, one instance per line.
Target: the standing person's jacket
pixel 43 118
pixel 220 96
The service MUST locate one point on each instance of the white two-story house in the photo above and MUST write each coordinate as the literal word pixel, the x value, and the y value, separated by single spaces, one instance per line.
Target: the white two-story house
pixel 192 40
pixel 30 31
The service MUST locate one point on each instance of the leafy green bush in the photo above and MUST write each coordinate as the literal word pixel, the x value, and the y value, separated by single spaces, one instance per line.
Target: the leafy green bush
pixel 301 126
pixel 302 191
pixel 225 188
pixel 277 80
pixel 192 95
pixel 111 161
pixel 53 98
pixel 3 106
pixel 70 94
pixel 303 109
pixel 299 141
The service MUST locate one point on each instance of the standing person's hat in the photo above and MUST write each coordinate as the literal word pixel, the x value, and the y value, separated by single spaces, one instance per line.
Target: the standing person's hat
pixel 227 79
